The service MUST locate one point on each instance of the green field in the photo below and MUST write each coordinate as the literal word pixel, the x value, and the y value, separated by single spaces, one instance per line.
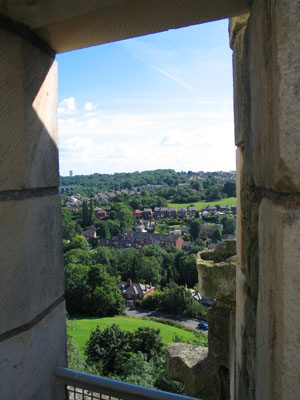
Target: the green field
pixel 201 204
pixel 81 328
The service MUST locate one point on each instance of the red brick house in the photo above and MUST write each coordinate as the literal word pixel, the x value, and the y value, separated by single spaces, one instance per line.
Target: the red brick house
pixel 132 291
pixel 172 213
pixel 147 213
pixel 138 214
pixel 100 213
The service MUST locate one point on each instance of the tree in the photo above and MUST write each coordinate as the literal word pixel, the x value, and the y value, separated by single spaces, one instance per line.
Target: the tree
pixel 103 230
pixel 148 341
pixel 91 212
pixel 78 242
pixel 76 360
pixel 68 225
pixel 125 217
pixel 107 300
pixel 148 269
pixel 217 235
pixel 114 227
pixel 229 224
pixel 104 346
pixel 213 193
pixel 85 214
pixel 138 371
pixel 176 299
pixel 78 256
pixel 104 297
pixel 230 188
pixel 195 228
pixel 187 269
pixel 76 287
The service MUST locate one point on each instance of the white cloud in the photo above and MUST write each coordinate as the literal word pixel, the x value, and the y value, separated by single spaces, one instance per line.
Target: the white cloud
pixel 90 106
pixel 68 106
pixel 129 142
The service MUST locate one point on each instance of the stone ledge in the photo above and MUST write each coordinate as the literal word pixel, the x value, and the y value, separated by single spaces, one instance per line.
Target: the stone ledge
pixel 216 271
pixel 191 365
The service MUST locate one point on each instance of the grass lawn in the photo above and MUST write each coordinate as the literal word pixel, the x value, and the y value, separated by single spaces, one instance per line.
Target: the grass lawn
pixel 81 328
pixel 201 204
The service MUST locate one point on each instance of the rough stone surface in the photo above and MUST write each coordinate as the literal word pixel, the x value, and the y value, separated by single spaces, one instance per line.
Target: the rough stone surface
pixel 28 360
pixel 274 57
pixel 237 28
pixel 236 25
pixel 192 366
pixel 219 320
pixel 28 102
pixel 31 259
pixel 278 317
pixel 216 271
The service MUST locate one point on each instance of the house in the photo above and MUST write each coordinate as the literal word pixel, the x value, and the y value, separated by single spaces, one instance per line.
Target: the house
pixel 138 214
pixel 89 233
pixel 132 291
pixel 224 208
pixel 147 214
pixel 207 231
pixel 100 213
pixel 191 211
pixel 196 296
pixel 172 213
pixel 187 245
pixel 233 209
pixel 160 212
pixel 138 240
pixel 183 230
pixel 227 236
pixel 209 209
pixel 181 212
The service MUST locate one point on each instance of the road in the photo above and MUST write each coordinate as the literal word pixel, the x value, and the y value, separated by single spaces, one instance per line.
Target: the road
pixel 190 322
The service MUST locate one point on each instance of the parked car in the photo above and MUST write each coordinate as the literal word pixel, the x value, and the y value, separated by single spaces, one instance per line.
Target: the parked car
pixel 203 325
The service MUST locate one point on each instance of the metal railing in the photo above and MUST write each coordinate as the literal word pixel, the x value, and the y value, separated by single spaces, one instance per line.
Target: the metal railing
pixel 81 386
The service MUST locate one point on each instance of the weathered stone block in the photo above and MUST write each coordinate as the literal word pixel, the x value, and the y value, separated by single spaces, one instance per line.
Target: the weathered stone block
pixel 216 272
pixel 31 259
pixel 237 28
pixel 219 320
pixel 191 365
pixel 28 360
pixel 274 55
pixel 278 317
pixel 28 103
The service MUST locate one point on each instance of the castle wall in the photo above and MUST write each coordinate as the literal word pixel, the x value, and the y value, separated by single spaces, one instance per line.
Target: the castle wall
pixel 32 313
pixel 267 123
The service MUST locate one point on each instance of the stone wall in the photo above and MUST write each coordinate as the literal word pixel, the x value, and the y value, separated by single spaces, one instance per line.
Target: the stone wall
pixel 205 372
pixel 32 313
pixel 267 123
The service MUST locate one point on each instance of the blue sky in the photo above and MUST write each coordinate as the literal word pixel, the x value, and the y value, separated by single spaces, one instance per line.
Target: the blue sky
pixel 157 101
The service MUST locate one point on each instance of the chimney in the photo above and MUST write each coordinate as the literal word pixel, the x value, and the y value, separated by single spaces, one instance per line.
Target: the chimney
pixel 129 282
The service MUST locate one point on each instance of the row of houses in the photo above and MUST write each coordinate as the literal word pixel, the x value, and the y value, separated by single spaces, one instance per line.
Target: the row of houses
pixel 221 209
pixel 164 212
pixel 138 240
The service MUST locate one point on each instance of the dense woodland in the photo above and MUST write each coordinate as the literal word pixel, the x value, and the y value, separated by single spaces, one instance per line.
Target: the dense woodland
pixel 214 186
